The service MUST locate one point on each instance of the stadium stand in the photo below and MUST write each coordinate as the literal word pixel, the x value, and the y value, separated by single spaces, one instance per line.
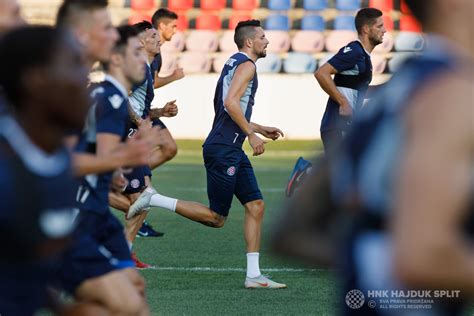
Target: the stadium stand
pixel 314 5
pixel 278 22
pixel 279 41
pixel 298 63
pixel 308 42
pixel 313 22
pixel 348 5
pixel 204 41
pixel 271 64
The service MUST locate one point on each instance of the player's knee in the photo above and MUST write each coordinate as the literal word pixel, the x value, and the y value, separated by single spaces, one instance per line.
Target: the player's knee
pixel 216 220
pixel 256 208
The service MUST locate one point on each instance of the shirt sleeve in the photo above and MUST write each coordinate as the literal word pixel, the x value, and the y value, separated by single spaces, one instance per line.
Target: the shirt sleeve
pixel 346 58
pixel 110 118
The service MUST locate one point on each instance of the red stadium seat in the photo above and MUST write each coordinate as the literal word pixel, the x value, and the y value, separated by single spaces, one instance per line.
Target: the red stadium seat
pixel 195 62
pixel 142 4
pixel 182 23
pixel 209 22
pixel 202 41
pixel 136 17
pixel 212 4
pixel 235 19
pixel 308 42
pixel 383 5
pixel 279 41
pixel 388 23
pixel 180 5
pixel 226 43
pixel 408 23
pixel 404 8
pixel 337 39
pixel 244 5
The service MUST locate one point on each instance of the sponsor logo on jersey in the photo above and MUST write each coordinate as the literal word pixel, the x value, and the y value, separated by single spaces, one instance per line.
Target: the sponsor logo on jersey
pixel 231 171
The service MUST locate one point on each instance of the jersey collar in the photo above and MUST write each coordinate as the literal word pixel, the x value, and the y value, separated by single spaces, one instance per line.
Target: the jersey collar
pixel 117 85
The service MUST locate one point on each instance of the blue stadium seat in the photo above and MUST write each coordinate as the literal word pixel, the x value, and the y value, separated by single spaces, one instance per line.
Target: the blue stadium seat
pixel 348 5
pixel 298 63
pixel 344 22
pixel 313 22
pixel 315 5
pixel 277 22
pixel 270 64
pixel 279 5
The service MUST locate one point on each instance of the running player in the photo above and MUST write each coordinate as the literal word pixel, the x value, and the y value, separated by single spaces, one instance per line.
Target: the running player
pixel 352 70
pixel 228 169
pixel 34 163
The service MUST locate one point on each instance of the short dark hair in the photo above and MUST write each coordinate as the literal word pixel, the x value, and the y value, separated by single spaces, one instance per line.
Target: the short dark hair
pixel 142 26
pixel 366 16
pixel 125 33
pixel 21 50
pixel 161 14
pixel 419 9
pixel 244 30
pixel 69 9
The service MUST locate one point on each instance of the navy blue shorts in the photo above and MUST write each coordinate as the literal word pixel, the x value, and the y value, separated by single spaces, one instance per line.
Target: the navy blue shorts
pixel 229 173
pixel 158 122
pixel 99 247
pixel 136 179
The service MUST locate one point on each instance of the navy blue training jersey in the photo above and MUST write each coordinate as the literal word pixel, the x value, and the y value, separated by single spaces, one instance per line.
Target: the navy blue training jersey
pixel 37 210
pixel 224 129
pixel 142 95
pixel 109 114
pixel 354 73
pixel 156 65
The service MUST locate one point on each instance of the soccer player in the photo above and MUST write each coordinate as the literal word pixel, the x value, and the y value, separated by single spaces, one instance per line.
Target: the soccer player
pixel 228 169
pixel 406 170
pixel 352 71
pixel 99 267
pixel 46 97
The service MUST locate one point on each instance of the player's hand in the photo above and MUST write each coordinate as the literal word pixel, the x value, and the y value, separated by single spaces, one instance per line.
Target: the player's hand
pixel 178 74
pixel 345 109
pixel 271 132
pixel 170 109
pixel 119 182
pixel 257 144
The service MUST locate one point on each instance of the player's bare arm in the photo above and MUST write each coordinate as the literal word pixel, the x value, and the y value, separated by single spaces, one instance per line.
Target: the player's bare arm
pixel 267 131
pixel 163 81
pixel 436 193
pixel 169 110
pixel 323 76
pixel 243 74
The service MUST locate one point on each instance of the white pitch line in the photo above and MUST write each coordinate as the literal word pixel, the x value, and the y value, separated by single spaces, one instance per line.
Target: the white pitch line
pixel 211 269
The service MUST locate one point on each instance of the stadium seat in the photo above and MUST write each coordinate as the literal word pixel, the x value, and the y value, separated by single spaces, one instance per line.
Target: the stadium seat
pixel 176 44
pixel 209 22
pixel 387 44
pixel 348 5
pixel 235 19
pixel 277 22
pixel 137 17
pixel 313 22
pixel 244 5
pixel 409 41
pixel 142 4
pixel 408 23
pixel 212 4
pixel 226 42
pixel 180 5
pixel 382 5
pixel 404 8
pixel 298 63
pixel 378 63
pixel 202 41
pixel 388 23
pixel 182 23
pixel 315 5
pixel 324 59
pixel 308 42
pixel 270 64
pixel 279 5
pixel 397 60
pixel 337 39
pixel 344 22
pixel 170 62
pixel 279 41
pixel 195 62
pixel 219 61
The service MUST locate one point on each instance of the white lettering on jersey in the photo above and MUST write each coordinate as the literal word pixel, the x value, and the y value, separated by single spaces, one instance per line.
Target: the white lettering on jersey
pixel 347 49
pixel 116 101
pixel 231 62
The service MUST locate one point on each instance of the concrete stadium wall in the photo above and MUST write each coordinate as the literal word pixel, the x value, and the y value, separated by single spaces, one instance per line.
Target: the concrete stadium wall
pixel 294 103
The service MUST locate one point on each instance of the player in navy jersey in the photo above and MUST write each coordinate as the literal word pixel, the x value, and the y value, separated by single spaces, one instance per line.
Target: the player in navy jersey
pixel 34 163
pixel 229 171
pixel 352 71
pixel 100 260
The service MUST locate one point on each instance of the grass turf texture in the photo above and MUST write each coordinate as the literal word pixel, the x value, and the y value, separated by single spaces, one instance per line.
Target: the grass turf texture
pixel 177 288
